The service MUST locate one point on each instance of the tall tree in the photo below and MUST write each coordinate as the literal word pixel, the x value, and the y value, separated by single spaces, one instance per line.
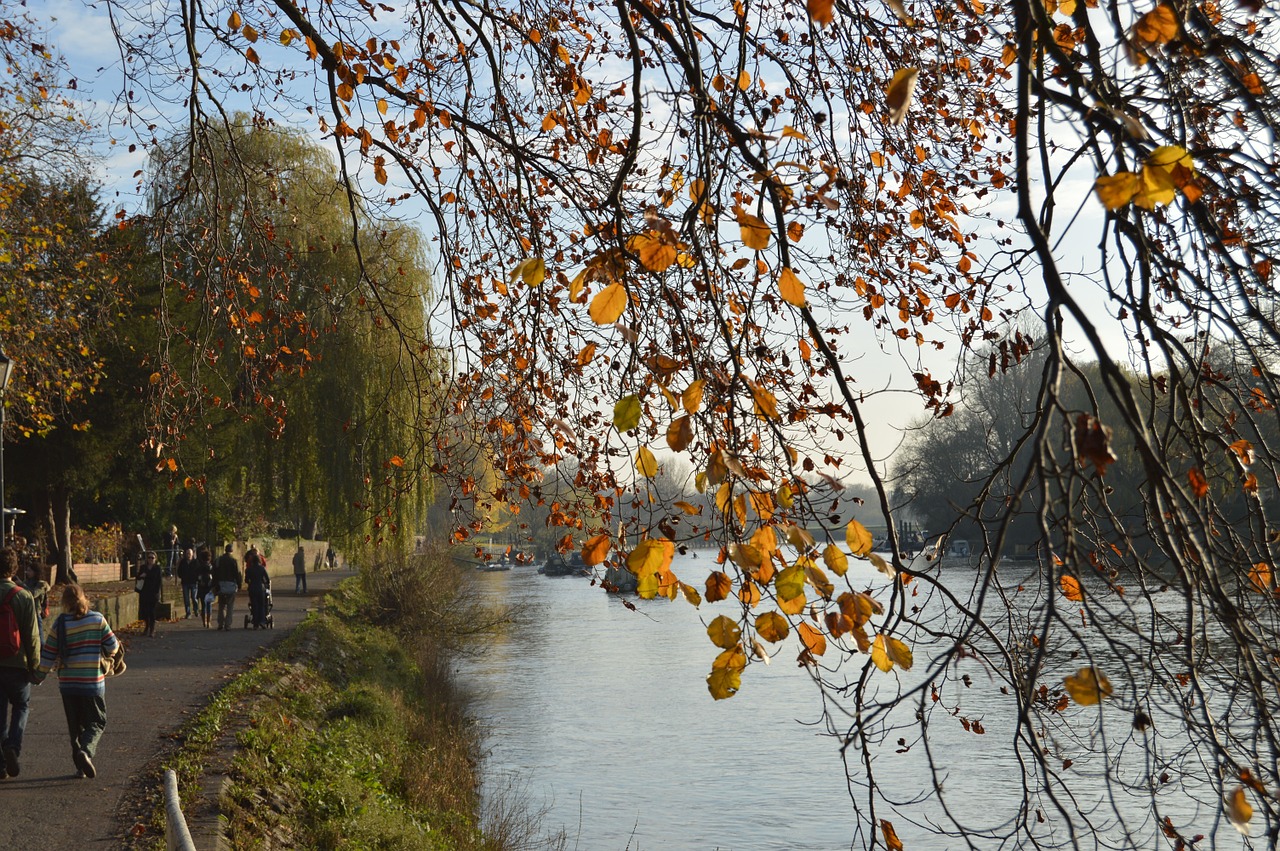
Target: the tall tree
pixel 670 224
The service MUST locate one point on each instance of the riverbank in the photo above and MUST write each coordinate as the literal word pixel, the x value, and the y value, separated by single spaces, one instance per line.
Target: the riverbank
pixel 349 734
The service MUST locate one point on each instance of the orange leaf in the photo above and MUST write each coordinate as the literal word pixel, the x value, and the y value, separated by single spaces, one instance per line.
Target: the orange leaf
pixel 608 305
pixel 719 586
pixel 680 434
pixel 1199 485
pixel 396 461
pixel 755 233
pixel 821 12
pixel 1071 588
pixel 791 288
pixel 595 549
pixel 891 840
pixel 814 641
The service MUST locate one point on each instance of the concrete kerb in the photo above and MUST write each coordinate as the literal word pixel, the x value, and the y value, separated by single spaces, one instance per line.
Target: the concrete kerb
pixel 176 835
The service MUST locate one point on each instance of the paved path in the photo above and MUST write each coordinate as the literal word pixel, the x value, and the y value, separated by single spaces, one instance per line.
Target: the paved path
pixel 170 677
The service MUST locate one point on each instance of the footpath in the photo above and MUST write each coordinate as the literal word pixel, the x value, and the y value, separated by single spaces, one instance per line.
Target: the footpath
pixel 170 677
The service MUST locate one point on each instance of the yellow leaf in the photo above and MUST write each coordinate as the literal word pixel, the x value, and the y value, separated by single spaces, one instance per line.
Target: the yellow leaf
pixel 691 398
pixel 744 80
pixel 791 288
pixel 818 580
pixel 1071 588
pixel 793 133
pixel 626 413
pixel 765 540
pixel 814 641
pixel 898 97
pixel 755 233
pixel 724 682
pixel 691 594
pixel 1117 190
pixel 655 254
pixel 687 508
pixel 533 271
pixel 651 557
pixel 1156 189
pixel 858 538
pixel 766 404
pixel 899 652
pixel 880 656
pixel 1239 810
pixel 799 537
pixel 646 464
pixel 608 305
pixel 835 559
pixel 251 55
pixel 1087 686
pixel 772 627
pixel 724 632
pixel 789 583
pixel 250 33
pixel 287 36
pixel 881 565
pixel 233 22
pixel 595 549
pixel 745 555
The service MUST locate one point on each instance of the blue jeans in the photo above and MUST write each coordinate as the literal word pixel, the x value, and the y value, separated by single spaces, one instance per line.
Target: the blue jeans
pixel 191 598
pixel 15 687
pixel 299 581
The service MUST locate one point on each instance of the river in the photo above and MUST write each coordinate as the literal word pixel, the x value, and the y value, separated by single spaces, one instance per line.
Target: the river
pixel 601 715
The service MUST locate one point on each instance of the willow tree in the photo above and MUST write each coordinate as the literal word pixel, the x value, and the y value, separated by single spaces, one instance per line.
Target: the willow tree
pixel 292 388
pixel 672 224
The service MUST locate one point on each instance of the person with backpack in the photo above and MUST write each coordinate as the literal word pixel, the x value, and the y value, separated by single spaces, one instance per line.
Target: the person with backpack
pixel 19 661
pixel 77 644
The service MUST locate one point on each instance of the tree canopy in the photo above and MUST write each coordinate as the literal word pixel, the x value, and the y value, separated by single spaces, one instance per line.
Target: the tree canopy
pixel 670 227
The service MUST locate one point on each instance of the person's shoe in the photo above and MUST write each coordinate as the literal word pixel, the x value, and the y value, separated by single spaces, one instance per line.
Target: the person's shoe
pixel 11 762
pixel 84 763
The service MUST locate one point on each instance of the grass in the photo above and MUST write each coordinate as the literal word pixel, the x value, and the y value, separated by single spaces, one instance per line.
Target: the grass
pixel 351 733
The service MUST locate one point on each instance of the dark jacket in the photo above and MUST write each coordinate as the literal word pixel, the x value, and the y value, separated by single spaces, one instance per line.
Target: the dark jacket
pixel 256 574
pixel 152 579
pixel 227 569
pixel 188 571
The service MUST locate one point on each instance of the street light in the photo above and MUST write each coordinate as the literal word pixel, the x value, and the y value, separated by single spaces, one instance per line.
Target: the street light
pixel 6 371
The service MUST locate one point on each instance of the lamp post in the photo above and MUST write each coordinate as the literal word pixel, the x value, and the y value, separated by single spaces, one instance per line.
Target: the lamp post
pixel 6 370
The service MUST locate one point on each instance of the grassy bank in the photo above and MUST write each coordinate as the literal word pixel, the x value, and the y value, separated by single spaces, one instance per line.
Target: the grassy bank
pixel 351 734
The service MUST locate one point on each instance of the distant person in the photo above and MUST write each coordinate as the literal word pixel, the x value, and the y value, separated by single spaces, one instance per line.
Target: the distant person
pixel 189 575
pixel 330 557
pixel 258 580
pixel 18 635
pixel 149 582
pixel 300 570
pixel 33 582
pixel 227 580
pixel 204 585
pixel 78 641
pixel 171 550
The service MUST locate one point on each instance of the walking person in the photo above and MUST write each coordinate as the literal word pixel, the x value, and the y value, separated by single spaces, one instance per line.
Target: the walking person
pixel 33 581
pixel 76 644
pixel 171 550
pixel 189 576
pixel 149 581
pixel 204 586
pixel 18 636
pixel 258 580
pixel 300 570
pixel 227 579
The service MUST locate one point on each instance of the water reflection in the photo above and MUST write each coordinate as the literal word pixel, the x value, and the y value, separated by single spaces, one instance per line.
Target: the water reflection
pixel 603 715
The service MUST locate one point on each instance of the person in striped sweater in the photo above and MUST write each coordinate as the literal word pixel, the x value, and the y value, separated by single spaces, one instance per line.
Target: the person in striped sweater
pixel 76 644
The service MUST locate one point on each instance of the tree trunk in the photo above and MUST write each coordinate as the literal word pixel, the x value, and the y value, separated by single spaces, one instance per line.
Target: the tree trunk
pixel 60 510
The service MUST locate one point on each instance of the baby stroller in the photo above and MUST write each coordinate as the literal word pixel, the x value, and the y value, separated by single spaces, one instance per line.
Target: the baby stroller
pixel 268 620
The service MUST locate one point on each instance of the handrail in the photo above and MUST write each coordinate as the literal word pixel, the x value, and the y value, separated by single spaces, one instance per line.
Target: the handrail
pixel 176 835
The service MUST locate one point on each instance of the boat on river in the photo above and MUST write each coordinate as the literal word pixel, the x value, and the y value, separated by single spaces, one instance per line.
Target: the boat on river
pixel 558 565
